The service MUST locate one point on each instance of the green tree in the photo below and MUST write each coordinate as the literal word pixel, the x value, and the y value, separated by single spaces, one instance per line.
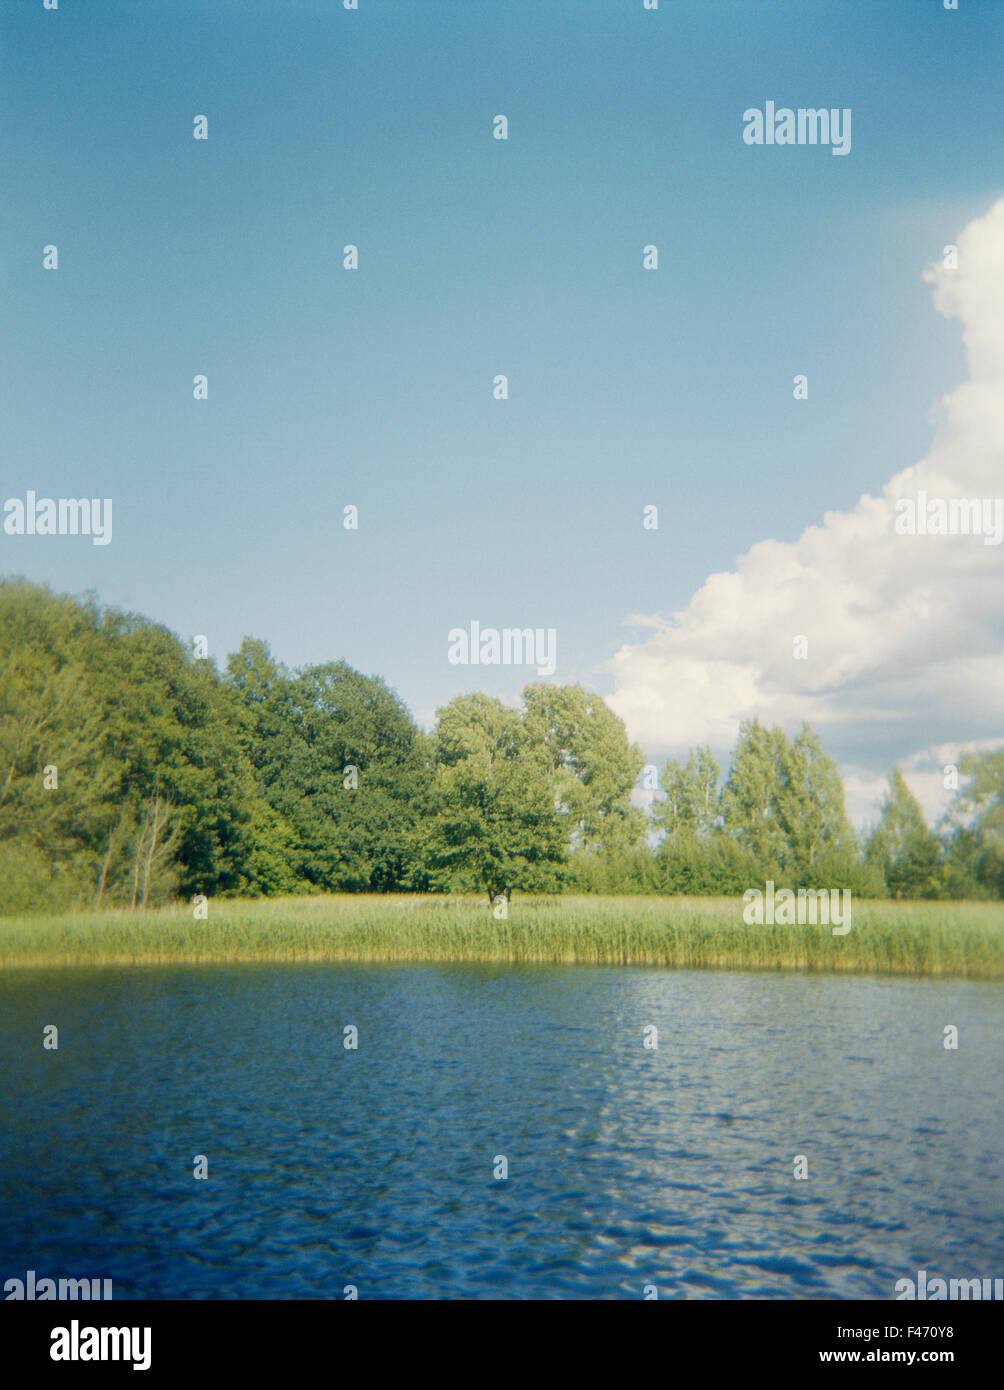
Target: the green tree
pixel 751 793
pixel 592 766
pixel 343 770
pixel 821 845
pixel 495 822
pixel 706 865
pixel 902 847
pixel 692 802
pixel 184 789
pixel 784 803
pixel 47 721
pixel 151 791
pixel 975 827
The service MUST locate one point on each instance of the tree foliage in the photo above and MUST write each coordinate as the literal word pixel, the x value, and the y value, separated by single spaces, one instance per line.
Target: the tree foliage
pixel 902 848
pixel 132 772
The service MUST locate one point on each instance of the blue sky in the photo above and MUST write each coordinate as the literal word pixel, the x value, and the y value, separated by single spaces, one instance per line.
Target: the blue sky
pixel 477 257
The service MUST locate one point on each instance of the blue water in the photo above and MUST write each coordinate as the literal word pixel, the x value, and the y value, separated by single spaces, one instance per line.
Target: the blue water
pixel 374 1167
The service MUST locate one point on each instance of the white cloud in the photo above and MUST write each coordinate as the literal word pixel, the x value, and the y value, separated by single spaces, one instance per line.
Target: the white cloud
pixel 904 631
pixel 924 774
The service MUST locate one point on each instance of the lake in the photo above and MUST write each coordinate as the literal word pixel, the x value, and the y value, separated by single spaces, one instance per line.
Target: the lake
pixel 374 1167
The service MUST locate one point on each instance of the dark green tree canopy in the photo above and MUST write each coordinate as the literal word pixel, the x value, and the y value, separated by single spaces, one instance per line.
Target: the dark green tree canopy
pixel 132 772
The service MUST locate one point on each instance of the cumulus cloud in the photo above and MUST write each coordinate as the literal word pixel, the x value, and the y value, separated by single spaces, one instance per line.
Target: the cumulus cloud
pixel 904 630
pixel 925 774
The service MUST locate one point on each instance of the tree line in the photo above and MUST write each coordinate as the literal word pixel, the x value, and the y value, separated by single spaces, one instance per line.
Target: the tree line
pixel 132 773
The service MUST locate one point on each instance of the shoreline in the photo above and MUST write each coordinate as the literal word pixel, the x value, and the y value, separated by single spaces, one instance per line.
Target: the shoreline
pixel 916 939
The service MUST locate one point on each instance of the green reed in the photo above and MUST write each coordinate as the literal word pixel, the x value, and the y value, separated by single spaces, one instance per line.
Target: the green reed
pixel 964 940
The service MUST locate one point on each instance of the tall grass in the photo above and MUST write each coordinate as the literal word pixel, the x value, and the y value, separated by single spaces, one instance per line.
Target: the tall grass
pixel 964 940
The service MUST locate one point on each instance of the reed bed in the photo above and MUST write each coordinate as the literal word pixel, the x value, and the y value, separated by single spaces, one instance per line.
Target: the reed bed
pixel 962 940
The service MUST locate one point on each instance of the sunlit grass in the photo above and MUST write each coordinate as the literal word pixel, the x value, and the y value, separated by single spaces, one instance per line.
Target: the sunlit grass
pixel 933 939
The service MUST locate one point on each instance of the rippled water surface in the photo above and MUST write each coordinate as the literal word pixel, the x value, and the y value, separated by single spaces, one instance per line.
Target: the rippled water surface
pixel 374 1167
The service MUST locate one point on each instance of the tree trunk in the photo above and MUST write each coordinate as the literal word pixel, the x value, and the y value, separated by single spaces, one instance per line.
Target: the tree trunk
pixel 104 866
pixel 140 839
pixel 153 845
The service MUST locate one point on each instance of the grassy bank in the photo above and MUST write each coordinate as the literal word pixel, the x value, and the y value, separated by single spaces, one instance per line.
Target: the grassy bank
pixel 964 940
